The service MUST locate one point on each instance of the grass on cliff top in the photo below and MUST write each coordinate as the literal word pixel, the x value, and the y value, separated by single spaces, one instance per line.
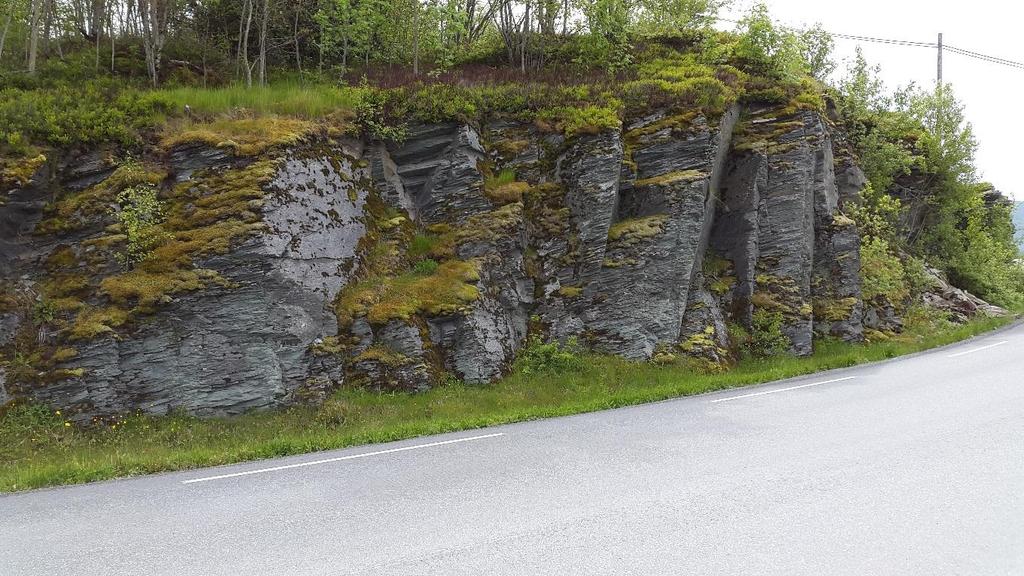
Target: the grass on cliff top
pixel 37 448
pixel 286 99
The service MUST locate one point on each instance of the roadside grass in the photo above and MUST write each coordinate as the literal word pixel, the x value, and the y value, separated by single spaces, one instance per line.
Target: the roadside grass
pixel 38 449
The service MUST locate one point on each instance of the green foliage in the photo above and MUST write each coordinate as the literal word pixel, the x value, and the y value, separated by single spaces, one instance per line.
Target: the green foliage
pixel 67 115
pixel 549 358
pixel 573 121
pixel 682 82
pixel 372 116
pixel 506 176
pixel 309 101
pixel 882 273
pixel 920 140
pixel 770 49
pixel 885 139
pixel 876 214
pixel 140 215
pixel 985 259
pixel 766 337
pixel 432 103
pixel 421 245
pixel 43 312
pixel 608 42
pixel 425 267
pixel 817 46
pixel 667 17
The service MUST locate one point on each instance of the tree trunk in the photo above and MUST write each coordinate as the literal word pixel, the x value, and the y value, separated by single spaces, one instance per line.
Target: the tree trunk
pixel 33 34
pixel 295 36
pixel 263 43
pixel 153 15
pixel 526 28
pixel 245 45
pixel 243 41
pixel 238 48
pixel 416 40
pixel 47 9
pixel 97 26
pixel 110 26
pixel 3 35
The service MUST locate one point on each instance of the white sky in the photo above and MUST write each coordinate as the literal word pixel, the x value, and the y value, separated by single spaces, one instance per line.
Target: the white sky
pixel 990 92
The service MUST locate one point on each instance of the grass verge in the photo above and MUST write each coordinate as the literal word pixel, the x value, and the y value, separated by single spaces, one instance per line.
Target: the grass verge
pixel 38 449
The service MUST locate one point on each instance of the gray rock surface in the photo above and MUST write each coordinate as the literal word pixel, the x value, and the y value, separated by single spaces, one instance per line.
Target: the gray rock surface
pixel 960 304
pixel 645 243
pixel 480 345
pixel 438 167
pixel 704 332
pixel 664 218
pixel 737 227
pixel 786 170
pixel 229 350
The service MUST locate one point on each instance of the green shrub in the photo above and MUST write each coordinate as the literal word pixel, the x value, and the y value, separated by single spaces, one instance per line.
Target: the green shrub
pixel 506 176
pixel 140 214
pixel 86 113
pixel 766 337
pixel 573 121
pixel 769 48
pixel 553 357
pixel 882 273
pixel 374 119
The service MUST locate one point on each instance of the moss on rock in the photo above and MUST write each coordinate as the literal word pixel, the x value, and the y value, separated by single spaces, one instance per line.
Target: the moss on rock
pixel 678 177
pixel 383 298
pixel 243 136
pixel 634 230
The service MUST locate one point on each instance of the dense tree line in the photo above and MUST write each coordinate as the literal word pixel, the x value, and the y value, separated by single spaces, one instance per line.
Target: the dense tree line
pixel 248 37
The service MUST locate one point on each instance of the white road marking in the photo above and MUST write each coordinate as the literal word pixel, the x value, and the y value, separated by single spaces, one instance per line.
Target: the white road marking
pixel 972 351
pixel 340 458
pixel 782 389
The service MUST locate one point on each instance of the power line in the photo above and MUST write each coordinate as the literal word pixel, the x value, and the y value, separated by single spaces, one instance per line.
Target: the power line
pixel 984 57
pixel 884 40
pixel 896 42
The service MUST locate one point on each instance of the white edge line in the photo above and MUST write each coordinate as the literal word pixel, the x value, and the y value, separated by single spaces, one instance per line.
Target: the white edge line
pixel 972 351
pixel 782 389
pixel 340 458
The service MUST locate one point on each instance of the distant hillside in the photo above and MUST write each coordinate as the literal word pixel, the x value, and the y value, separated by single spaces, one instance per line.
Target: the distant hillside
pixel 1018 221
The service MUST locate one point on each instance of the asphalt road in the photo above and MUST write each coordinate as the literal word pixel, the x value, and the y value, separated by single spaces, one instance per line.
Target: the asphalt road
pixel 915 466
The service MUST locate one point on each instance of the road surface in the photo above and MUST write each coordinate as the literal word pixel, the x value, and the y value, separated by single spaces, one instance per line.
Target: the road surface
pixel 915 466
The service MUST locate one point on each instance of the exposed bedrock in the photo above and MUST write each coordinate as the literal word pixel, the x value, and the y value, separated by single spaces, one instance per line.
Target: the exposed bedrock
pixel 664 216
pixel 399 266
pixel 437 165
pixel 243 344
pixel 780 228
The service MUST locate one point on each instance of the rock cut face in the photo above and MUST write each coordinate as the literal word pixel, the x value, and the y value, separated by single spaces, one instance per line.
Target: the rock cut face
pixel 397 267
pixel 780 228
pixel 243 342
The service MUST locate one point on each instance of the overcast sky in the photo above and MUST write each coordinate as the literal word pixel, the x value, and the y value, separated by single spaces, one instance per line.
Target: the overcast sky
pixel 990 92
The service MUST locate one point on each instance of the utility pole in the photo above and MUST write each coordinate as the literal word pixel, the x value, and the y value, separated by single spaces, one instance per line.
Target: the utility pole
pixel 938 94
